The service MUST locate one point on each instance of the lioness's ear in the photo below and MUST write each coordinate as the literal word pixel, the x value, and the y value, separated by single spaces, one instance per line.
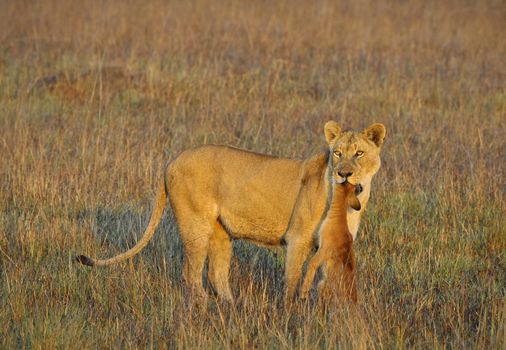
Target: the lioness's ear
pixel 354 202
pixel 376 133
pixel 332 131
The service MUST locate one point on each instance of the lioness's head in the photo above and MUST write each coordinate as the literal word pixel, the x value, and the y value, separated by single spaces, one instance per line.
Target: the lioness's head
pixel 354 156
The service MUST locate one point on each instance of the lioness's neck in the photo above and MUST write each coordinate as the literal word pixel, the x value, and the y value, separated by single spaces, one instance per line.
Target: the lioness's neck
pixel 354 216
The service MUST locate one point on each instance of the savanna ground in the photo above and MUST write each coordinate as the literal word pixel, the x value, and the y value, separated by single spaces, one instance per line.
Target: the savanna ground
pixel 96 96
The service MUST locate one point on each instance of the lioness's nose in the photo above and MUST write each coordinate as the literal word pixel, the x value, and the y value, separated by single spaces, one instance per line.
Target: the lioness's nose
pixel 345 173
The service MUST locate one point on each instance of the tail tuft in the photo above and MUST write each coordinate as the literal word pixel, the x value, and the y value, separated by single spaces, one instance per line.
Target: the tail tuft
pixel 83 259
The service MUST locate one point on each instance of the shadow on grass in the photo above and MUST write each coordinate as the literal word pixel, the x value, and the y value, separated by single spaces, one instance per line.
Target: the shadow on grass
pixel 118 229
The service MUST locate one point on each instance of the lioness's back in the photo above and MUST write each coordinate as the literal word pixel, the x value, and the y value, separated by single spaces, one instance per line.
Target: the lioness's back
pixel 232 157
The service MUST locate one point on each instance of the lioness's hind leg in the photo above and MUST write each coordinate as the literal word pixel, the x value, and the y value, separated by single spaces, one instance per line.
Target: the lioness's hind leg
pixel 195 239
pixel 219 253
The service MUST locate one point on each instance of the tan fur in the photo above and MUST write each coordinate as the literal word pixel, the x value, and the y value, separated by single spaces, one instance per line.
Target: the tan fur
pixel 335 249
pixel 219 193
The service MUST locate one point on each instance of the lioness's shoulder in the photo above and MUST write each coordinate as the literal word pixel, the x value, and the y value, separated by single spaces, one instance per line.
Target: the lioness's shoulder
pixel 315 164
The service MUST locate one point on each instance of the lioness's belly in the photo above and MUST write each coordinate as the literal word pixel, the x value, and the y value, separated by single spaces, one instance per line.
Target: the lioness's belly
pixel 258 205
pixel 257 227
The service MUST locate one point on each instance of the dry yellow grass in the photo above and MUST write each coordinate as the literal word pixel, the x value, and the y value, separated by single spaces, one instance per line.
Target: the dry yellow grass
pixel 130 84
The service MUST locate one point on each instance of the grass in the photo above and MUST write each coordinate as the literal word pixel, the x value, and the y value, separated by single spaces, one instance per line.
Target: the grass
pixel 95 97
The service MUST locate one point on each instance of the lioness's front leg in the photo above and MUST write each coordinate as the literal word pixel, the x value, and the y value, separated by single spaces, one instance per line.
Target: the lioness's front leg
pixel 314 263
pixel 298 249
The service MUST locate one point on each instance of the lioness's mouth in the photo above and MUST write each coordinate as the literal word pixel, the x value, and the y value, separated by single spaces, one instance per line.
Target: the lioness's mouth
pixel 340 180
pixel 343 180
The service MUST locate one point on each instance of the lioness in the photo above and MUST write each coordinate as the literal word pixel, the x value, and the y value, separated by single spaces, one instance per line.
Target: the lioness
pixel 335 248
pixel 220 193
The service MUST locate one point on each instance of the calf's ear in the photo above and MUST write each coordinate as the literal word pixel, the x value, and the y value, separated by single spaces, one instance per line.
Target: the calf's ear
pixel 354 202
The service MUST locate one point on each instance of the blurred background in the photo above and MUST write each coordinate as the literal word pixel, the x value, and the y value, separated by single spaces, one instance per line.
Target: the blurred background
pixel 97 96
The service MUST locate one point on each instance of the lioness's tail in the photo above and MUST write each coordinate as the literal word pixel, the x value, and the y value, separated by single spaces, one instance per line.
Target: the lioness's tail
pixel 159 206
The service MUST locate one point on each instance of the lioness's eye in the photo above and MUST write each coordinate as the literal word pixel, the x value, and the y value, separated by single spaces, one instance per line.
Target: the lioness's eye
pixel 359 154
pixel 337 154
